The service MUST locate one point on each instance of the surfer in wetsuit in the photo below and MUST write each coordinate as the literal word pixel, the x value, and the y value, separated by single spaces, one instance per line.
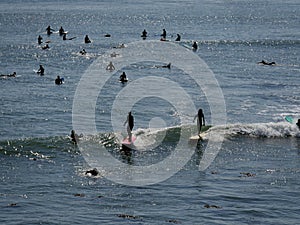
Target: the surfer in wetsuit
pixel 74 136
pixel 49 30
pixel 58 80
pixel 123 77
pixel 298 124
pixel 87 39
pixel 40 39
pixel 130 124
pixel 263 62
pixel 144 34
pixel 195 46
pixel 61 31
pixel 110 66
pixel 41 70
pixel 200 120
pixel 178 37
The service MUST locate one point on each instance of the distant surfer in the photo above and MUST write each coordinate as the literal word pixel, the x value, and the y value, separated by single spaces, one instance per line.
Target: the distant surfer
pixel 65 37
pixel 93 172
pixel 123 77
pixel 263 62
pixel 58 80
pixel 14 74
pixel 130 124
pixel 195 46
pixel 49 30
pixel 144 34
pixel 178 38
pixel 87 39
pixel 41 70
pixel 61 31
pixel 74 137
pixel 200 120
pixel 164 34
pixel 298 124
pixel 110 66
pixel 167 66
pixel 40 39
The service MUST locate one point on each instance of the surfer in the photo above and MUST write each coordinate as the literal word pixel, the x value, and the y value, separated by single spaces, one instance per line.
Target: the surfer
pixel 61 31
pixel 110 66
pixel 298 124
pixel 130 124
pixel 14 74
pixel 195 46
pixel 263 62
pixel 74 137
pixel 40 39
pixel 49 30
pixel 41 70
pixel 58 80
pixel 200 120
pixel 178 37
pixel 144 34
pixel 123 77
pixel 87 39
pixel 167 66
pixel 164 34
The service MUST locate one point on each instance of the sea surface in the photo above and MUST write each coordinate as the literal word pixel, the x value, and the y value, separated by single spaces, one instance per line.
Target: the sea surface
pixel 253 176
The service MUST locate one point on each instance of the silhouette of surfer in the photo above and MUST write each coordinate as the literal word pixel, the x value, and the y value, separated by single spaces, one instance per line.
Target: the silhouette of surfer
pixel 58 80
pixel 263 62
pixel 61 31
pixel 298 124
pixel 110 66
pixel 41 70
pixel 49 30
pixel 87 39
pixel 130 123
pixel 40 39
pixel 200 120
pixel 164 34
pixel 144 34
pixel 178 37
pixel 195 46
pixel 123 77
pixel 74 137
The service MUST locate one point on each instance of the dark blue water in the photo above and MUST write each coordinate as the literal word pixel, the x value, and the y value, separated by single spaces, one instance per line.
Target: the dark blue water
pixel 254 178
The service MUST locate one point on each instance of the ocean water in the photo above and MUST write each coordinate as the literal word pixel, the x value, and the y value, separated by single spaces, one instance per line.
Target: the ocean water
pixel 254 177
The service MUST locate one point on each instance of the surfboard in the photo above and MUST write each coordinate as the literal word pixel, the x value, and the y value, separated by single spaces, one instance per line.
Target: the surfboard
pixel 123 81
pixel 198 137
pixel 126 140
pixel 289 119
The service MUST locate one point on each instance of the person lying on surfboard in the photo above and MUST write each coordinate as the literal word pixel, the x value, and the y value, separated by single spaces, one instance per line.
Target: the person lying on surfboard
pixel 200 120
pixel 263 62
pixel 130 125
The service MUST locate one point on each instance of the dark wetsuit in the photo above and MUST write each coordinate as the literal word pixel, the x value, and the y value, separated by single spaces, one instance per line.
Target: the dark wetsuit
pixel 130 121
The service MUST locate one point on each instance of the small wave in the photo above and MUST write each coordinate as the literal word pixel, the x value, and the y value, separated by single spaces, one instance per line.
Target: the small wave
pixel 267 130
